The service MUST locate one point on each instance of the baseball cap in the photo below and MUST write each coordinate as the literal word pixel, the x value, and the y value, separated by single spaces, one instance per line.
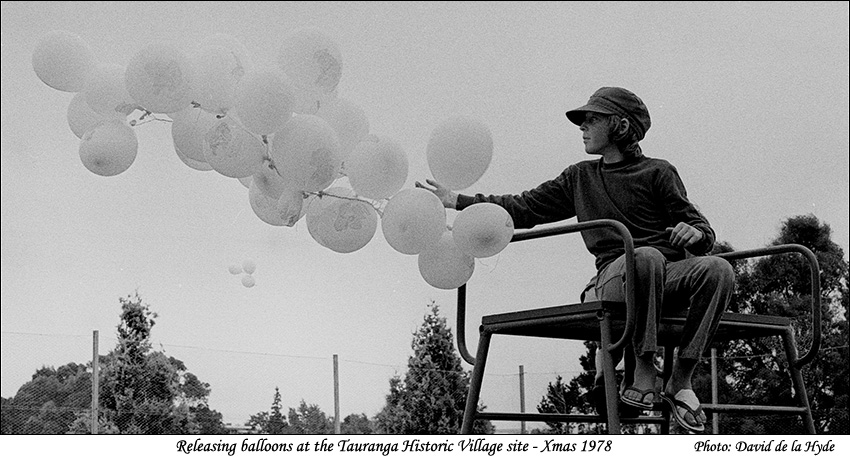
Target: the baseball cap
pixel 615 101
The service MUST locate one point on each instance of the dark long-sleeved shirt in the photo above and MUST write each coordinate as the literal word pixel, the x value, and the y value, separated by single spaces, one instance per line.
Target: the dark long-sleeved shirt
pixel 645 194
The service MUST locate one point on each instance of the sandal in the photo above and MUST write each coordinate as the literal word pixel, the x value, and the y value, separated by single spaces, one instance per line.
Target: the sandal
pixel 642 403
pixel 685 400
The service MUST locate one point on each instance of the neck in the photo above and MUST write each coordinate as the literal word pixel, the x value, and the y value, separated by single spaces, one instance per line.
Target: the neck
pixel 612 155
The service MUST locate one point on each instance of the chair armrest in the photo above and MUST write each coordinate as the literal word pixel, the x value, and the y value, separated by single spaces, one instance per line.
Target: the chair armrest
pixel 814 270
pixel 524 235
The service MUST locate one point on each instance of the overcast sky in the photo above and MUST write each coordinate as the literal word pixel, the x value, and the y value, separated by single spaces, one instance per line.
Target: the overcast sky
pixel 748 101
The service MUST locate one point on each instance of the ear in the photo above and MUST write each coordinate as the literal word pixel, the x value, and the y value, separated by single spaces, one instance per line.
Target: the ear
pixel 623 126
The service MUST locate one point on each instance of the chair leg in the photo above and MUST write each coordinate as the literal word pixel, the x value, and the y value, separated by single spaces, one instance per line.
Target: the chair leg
pixel 612 395
pixel 669 352
pixel 475 383
pixel 797 378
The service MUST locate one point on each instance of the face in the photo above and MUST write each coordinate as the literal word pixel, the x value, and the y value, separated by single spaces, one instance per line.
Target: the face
pixel 595 131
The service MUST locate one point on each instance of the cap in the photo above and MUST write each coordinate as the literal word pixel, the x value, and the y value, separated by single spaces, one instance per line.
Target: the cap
pixel 615 101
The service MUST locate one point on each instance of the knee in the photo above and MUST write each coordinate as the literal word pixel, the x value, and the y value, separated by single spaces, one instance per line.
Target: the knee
pixel 718 269
pixel 649 256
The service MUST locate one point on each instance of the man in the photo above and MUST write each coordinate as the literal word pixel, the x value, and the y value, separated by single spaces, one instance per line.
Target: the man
pixel 648 197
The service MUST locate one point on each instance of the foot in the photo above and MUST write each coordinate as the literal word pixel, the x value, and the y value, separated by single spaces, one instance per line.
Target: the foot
pixel 641 393
pixel 686 409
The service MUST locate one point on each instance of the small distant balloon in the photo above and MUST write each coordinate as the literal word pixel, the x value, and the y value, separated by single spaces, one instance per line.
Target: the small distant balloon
pixel 483 229
pixel 377 168
pixel 159 78
pixel 459 151
pixel 249 266
pixel 444 266
pixel 109 148
pixel 235 269
pixel 248 280
pixel 63 61
pixel 413 220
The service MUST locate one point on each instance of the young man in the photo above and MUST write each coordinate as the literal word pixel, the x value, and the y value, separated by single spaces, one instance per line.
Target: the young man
pixel 648 197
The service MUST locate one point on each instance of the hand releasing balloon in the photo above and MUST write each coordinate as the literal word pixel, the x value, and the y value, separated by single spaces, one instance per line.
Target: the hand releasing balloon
pixel 447 196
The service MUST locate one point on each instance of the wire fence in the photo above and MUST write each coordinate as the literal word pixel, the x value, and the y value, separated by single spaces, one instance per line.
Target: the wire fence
pixel 57 398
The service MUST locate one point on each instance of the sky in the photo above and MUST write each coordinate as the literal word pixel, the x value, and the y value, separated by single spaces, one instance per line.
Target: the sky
pixel 748 100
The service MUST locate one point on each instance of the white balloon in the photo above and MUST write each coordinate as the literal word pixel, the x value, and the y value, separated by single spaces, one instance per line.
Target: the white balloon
pixel 459 151
pixel 188 129
pixel 269 182
pixel 340 224
pixel 263 101
pixel 82 118
pixel 312 60
pixel 445 266
pixel 483 229
pixel 218 65
pixel 245 181
pixel 377 168
pixel 413 220
pixel 109 148
pixel 264 206
pixel 349 122
pixel 306 153
pixel 249 266
pixel 290 206
pixel 248 280
pixel 235 269
pixel 233 151
pixel 106 92
pixel 159 78
pixel 63 61
pixel 194 164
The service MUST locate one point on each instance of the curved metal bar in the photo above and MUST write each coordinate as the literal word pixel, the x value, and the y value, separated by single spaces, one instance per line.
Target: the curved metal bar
pixel 524 235
pixel 814 269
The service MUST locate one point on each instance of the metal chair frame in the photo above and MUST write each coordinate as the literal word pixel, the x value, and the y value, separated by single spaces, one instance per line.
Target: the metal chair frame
pixel 603 320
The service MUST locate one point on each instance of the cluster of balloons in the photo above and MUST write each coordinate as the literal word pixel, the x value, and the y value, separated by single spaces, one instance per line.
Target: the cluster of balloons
pixel 282 130
pixel 247 270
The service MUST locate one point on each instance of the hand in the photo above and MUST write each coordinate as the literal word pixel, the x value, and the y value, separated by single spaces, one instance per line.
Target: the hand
pixel 684 235
pixel 447 196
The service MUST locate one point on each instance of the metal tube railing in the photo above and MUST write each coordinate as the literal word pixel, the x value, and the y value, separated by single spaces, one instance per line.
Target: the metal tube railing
pixel 524 235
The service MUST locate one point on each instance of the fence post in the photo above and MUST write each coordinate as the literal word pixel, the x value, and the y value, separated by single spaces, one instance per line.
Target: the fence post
pixel 95 381
pixel 522 398
pixel 715 417
pixel 336 395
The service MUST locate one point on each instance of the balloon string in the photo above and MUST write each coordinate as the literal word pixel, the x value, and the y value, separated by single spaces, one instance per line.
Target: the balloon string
pixel 375 204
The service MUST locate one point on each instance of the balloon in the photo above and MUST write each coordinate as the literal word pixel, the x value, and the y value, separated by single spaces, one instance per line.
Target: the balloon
pixel 445 266
pixel 269 182
pixel 106 92
pixel 245 181
pixel 188 129
pixel 263 101
pixel 342 225
pixel 349 122
pixel 63 61
pixel 459 152
pixel 249 266
pixel 109 148
pixel 290 206
pixel 232 151
pixel 234 269
pixel 377 168
pixel 218 65
pixel 248 280
pixel 82 118
pixel 483 229
pixel 197 165
pixel 312 60
pixel 413 220
pixel 306 153
pixel 159 78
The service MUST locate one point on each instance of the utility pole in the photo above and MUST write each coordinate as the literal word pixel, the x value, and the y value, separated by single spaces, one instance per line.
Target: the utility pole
pixel 336 395
pixel 521 398
pixel 95 379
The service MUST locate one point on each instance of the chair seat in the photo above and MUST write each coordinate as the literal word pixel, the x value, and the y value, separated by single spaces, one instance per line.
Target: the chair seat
pixel 581 322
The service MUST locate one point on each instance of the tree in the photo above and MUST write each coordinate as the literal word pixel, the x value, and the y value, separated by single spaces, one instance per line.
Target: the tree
pixel 49 403
pixel 780 285
pixel 309 419
pixel 356 424
pixel 432 396
pixel 277 422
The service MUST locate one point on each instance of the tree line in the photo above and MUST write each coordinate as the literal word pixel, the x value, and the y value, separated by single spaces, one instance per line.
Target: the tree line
pixel 143 391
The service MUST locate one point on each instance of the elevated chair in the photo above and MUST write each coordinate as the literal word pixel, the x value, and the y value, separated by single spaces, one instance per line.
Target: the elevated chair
pixel 602 320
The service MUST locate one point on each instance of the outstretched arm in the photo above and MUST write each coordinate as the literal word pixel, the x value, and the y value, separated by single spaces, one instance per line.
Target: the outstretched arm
pixel 447 196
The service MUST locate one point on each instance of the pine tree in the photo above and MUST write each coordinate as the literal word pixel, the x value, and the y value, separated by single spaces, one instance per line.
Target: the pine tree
pixel 430 399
